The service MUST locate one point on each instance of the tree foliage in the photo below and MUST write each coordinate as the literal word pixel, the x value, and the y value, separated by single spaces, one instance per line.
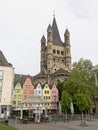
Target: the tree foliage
pixel 60 87
pixel 65 101
pixel 83 65
pixel 83 101
pixel 81 84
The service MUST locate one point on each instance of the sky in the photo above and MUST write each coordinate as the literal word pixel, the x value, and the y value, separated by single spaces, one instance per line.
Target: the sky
pixel 23 22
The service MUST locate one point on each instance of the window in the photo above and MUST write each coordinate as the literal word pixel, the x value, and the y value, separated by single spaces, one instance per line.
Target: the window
pixel 62 60
pixel 25 97
pixel 54 51
pixel 35 91
pixel 25 91
pixel 19 102
pixel 1 74
pixel 0 86
pixel 58 52
pixel 28 86
pixel 19 96
pixel 62 53
pixel 47 92
pixel 54 59
pixel 54 98
pixel 14 96
pixel 18 90
pixel 14 102
pixel 49 33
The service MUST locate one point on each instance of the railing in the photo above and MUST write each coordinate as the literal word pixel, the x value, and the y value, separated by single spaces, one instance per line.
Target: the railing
pixel 71 117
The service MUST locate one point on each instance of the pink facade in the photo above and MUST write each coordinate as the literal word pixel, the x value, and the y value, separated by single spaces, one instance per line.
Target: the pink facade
pixel 54 97
pixel 28 88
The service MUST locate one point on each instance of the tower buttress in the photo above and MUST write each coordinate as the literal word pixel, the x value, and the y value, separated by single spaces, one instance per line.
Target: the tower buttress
pixel 49 34
pixel 67 50
pixel 49 55
pixel 43 54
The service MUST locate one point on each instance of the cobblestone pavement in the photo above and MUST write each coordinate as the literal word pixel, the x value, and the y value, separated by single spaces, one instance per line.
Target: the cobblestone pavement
pixel 72 125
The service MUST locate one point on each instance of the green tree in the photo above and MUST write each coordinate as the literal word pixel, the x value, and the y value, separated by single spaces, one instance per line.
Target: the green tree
pixel 83 102
pixel 83 64
pixel 60 87
pixel 81 81
pixel 65 102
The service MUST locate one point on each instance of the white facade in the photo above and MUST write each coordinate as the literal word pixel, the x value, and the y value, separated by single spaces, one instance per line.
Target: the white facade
pixel 6 89
pixel 38 90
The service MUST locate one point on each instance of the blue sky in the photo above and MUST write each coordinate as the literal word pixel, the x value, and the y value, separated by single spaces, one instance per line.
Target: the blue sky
pixel 23 22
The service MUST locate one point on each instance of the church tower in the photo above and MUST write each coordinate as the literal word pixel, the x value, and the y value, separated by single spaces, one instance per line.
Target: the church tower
pixel 55 55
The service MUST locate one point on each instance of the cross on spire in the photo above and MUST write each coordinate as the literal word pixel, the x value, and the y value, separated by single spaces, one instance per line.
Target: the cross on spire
pixel 53 13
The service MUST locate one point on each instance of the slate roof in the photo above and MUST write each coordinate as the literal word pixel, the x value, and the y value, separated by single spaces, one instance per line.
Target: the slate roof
pixel 3 61
pixel 56 35
pixel 40 75
pixel 67 32
pixel 61 72
pixel 20 78
pixel 43 39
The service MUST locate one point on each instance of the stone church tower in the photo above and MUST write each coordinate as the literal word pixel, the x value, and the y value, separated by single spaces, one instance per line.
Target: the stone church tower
pixel 55 55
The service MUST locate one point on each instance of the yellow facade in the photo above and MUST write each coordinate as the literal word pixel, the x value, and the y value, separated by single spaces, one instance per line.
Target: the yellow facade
pixel 47 94
pixel 17 95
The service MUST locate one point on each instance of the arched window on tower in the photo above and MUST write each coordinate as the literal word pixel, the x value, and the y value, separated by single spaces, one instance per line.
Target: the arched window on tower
pixel 58 52
pixel 62 52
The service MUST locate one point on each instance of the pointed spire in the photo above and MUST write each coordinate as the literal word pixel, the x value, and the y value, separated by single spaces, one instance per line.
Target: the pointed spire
pixel 67 32
pixel 43 39
pixel 49 27
pixel 56 35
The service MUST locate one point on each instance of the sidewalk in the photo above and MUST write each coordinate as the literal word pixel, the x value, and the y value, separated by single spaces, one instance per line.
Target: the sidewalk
pixel 72 125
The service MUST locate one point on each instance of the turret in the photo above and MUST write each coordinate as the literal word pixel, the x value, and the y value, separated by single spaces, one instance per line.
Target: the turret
pixel 43 51
pixel 67 50
pixel 67 37
pixel 43 43
pixel 49 34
